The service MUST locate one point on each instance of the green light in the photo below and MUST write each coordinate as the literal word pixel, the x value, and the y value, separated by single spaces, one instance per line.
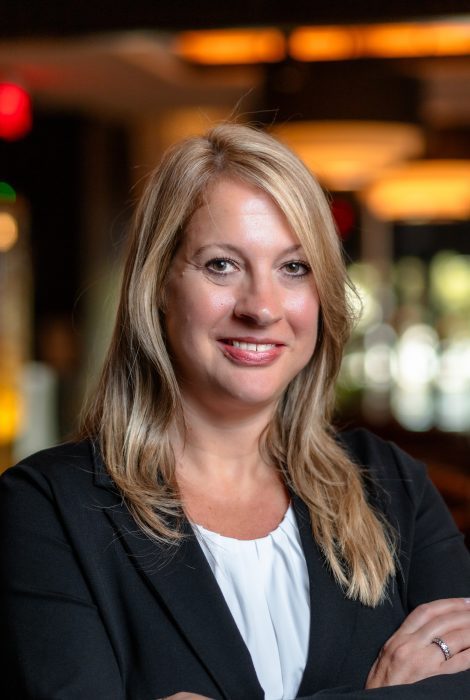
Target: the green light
pixel 7 193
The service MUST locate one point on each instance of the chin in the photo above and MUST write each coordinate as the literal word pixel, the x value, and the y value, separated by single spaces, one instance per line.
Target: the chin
pixel 252 396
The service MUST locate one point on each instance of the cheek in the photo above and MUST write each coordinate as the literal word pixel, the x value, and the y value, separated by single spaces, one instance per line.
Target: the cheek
pixel 303 310
pixel 215 303
pixel 195 307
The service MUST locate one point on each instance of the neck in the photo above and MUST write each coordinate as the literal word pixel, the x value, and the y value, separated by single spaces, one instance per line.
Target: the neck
pixel 220 445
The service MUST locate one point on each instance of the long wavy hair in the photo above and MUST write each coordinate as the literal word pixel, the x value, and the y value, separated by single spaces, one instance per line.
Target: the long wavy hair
pixel 138 398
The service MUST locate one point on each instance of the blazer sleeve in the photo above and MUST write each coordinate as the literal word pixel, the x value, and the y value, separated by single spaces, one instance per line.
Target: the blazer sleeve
pixel 53 642
pixel 434 562
pixel 454 687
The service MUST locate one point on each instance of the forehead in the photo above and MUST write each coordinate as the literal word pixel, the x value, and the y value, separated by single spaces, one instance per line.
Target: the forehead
pixel 232 207
pixel 231 196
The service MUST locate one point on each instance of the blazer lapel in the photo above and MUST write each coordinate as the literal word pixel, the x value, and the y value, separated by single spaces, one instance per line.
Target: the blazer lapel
pixel 184 583
pixel 332 615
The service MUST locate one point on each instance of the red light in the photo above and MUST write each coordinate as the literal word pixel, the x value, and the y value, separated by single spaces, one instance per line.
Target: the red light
pixel 344 215
pixel 15 111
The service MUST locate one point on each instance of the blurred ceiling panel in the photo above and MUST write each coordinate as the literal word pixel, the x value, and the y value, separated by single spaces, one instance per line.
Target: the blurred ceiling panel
pixel 121 75
pixel 55 17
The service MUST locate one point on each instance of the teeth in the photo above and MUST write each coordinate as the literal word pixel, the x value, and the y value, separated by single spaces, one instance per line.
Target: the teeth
pixel 253 347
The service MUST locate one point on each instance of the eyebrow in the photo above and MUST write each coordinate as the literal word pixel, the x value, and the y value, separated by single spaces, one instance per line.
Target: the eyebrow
pixel 235 249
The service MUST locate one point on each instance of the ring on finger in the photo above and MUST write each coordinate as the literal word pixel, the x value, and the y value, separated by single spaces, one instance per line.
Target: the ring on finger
pixel 443 647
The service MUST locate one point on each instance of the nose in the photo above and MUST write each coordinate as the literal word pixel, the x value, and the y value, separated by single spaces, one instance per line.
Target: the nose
pixel 259 302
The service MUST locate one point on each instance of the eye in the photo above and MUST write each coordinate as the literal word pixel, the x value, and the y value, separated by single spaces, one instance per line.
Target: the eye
pixel 296 268
pixel 221 266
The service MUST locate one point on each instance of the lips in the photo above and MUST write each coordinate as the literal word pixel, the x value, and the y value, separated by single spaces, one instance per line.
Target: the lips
pixel 251 351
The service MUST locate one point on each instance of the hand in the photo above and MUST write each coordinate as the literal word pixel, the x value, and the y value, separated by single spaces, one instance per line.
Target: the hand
pixel 185 696
pixel 410 655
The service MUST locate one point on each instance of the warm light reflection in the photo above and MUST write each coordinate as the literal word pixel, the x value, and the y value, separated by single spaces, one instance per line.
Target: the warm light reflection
pixel 412 408
pixel 377 366
pixel 453 383
pixel 352 371
pixel 324 43
pixel 453 412
pixel 347 155
pixel 432 190
pixel 450 281
pixel 231 46
pixel 403 40
pixel 410 278
pixel 415 364
pixel 416 359
pixel 407 359
pixel 379 341
pixel 380 41
pixel 8 231
pixel 10 414
pixel 454 375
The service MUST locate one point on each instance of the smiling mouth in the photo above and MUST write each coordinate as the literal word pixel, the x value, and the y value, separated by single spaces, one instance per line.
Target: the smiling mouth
pixel 248 352
pixel 251 347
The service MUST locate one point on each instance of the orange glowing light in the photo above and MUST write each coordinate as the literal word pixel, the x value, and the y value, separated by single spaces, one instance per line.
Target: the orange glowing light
pixel 11 414
pixel 324 43
pixel 398 40
pixel 231 46
pixel 15 111
pixel 8 231
pixel 347 155
pixel 408 40
pixel 428 190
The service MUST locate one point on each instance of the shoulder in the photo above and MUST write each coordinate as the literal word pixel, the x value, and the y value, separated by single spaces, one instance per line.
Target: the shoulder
pixel 395 483
pixel 385 463
pixel 59 494
pixel 371 450
pixel 67 466
pixel 398 485
pixel 66 453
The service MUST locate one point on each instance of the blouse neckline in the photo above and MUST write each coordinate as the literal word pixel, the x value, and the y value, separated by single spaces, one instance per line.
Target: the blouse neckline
pixel 287 520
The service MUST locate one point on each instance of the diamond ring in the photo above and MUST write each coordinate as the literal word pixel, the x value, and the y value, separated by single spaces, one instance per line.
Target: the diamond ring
pixel 443 646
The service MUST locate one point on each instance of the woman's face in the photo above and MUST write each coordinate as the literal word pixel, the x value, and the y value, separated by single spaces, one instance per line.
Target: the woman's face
pixel 242 306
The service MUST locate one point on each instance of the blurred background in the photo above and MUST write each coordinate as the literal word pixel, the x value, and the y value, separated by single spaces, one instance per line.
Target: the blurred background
pixel 376 101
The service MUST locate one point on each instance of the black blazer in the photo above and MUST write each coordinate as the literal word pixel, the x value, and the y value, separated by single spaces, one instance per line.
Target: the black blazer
pixel 91 608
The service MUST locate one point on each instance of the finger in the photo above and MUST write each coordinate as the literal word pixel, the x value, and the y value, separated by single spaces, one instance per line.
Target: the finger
pixel 425 613
pixel 457 642
pixel 443 625
pixel 410 640
pixel 459 662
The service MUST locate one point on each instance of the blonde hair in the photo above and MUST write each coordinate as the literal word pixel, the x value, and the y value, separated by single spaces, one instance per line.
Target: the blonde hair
pixel 138 396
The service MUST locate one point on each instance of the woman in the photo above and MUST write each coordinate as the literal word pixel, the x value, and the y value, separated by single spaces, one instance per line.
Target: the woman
pixel 211 535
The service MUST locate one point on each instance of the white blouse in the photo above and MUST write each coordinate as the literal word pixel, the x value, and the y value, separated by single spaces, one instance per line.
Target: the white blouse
pixel 265 584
